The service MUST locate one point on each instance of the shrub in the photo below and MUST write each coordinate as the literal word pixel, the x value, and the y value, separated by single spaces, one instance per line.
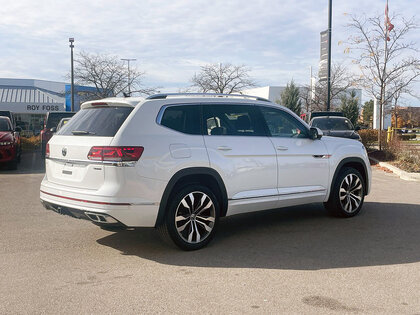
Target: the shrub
pixel 408 160
pixel 31 143
pixel 369 137
pixel 402 155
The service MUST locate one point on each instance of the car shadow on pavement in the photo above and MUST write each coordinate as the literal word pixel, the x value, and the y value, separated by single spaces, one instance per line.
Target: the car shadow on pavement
pixel 302 238
pixel 31 163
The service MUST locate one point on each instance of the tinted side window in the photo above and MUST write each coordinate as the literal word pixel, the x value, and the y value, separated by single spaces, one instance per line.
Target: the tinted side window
pixel 98 121
pixel 184 118
pixel 282 124
pixel 232 120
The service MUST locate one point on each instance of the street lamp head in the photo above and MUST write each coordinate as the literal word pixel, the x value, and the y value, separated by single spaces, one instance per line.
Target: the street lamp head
pixel 71 39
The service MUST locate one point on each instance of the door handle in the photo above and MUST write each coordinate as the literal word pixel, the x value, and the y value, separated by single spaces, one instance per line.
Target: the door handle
pixel 224 148
pixel 281 148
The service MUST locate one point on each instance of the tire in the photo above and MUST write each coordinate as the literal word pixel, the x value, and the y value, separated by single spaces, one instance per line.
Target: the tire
pixel 13 164
pixel 43 149
pixel 19 155
pixel 191 218
pixel 347 195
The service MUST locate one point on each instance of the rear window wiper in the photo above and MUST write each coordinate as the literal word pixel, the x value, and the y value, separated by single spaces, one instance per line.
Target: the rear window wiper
pixel 82 132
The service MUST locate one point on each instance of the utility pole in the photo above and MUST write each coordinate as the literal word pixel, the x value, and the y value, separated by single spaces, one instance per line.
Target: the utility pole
pixel 128 63
pixel 310 90
pixel 71 41
pixel 388 28
pixel 329 54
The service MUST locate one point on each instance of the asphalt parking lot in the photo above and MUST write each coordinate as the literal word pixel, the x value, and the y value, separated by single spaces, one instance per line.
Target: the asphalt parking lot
pixel 294 260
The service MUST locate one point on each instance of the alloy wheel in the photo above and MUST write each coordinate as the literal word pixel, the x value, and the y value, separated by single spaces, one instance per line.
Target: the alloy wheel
pixel 351 193
pixel 195 217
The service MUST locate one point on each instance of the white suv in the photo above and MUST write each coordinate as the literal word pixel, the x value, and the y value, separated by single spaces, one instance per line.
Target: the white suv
pixel 179 162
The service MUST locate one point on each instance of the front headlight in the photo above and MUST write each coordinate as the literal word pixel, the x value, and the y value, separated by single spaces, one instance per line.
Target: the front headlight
pixel 6 143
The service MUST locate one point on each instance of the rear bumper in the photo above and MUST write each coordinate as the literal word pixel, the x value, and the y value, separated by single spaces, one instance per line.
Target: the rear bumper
pixel 129 212
pixel 96 218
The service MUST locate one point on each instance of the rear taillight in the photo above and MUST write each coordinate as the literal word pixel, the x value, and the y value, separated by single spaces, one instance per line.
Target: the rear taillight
pixel 115 154
pixel 47 150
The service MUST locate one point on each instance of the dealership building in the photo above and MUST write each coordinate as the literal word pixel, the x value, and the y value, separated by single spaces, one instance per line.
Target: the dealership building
pixel 31 99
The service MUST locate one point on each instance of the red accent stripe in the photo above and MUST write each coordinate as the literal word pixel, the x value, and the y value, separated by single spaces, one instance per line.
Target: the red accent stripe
pixel 89 201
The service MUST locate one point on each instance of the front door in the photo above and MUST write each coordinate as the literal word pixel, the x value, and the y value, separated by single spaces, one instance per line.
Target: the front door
pixel 303 166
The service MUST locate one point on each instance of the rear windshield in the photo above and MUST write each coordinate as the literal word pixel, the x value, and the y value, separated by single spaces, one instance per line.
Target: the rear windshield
pixel 98 121
pixel 54 118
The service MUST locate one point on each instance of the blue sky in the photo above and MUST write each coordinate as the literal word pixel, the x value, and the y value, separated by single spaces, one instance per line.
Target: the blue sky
pixel 278 40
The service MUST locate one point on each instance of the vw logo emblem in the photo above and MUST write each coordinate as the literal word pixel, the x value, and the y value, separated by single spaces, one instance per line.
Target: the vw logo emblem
pixel 64 151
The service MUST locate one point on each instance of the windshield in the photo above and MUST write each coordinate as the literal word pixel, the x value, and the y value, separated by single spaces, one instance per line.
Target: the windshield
pixel 332 124
pixel 97 121
pixel 54 118
pixel 4 125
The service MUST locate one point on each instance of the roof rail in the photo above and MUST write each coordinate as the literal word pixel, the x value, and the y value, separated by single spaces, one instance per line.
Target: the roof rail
pixel 175 95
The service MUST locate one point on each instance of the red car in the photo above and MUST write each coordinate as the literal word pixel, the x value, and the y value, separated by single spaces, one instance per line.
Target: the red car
pixel 9 143
pixel 51 121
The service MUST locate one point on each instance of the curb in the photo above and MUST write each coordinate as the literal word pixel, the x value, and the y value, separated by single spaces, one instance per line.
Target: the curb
pixel 402 174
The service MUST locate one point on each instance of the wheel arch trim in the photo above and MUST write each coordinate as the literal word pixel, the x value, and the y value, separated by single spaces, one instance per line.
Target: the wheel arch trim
pixel 178 176
pixel 351 160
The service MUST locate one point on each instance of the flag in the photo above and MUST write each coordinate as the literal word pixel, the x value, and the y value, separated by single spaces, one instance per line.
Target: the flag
pixel 388 25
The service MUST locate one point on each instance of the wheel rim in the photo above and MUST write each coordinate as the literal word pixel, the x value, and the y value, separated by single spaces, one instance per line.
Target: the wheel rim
pixel 195 217
pixel 351 193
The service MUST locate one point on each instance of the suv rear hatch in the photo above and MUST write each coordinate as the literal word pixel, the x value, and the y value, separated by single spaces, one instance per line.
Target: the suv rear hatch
pixel 68 162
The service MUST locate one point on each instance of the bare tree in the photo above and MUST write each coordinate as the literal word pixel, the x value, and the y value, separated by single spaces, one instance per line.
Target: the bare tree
pixel 410 117
pixel 315 97
pixel 396 86
pixel 108 74
pixel 388 62
pixel 222 78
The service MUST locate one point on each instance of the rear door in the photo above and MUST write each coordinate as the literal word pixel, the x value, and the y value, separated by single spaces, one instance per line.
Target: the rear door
pixel 68 162
pixel 240 151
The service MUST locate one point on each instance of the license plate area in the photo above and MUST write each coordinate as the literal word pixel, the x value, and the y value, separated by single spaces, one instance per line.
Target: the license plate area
pixel 80 175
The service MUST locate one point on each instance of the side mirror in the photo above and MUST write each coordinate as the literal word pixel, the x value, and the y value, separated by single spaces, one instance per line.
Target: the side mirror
pixel 357 128
pixel 315 133
pixel 53 129
pixel 18 129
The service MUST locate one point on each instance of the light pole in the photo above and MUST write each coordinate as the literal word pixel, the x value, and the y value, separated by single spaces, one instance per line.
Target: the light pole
pixel 71 40
pixel 128 63
pixel 329 54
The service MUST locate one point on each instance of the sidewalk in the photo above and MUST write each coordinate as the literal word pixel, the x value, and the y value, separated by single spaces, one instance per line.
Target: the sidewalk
pixel 402 174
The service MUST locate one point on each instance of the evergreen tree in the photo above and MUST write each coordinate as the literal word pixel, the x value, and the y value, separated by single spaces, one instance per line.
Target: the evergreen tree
pixel 290 98
pixel 368 112
pixel 350 107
